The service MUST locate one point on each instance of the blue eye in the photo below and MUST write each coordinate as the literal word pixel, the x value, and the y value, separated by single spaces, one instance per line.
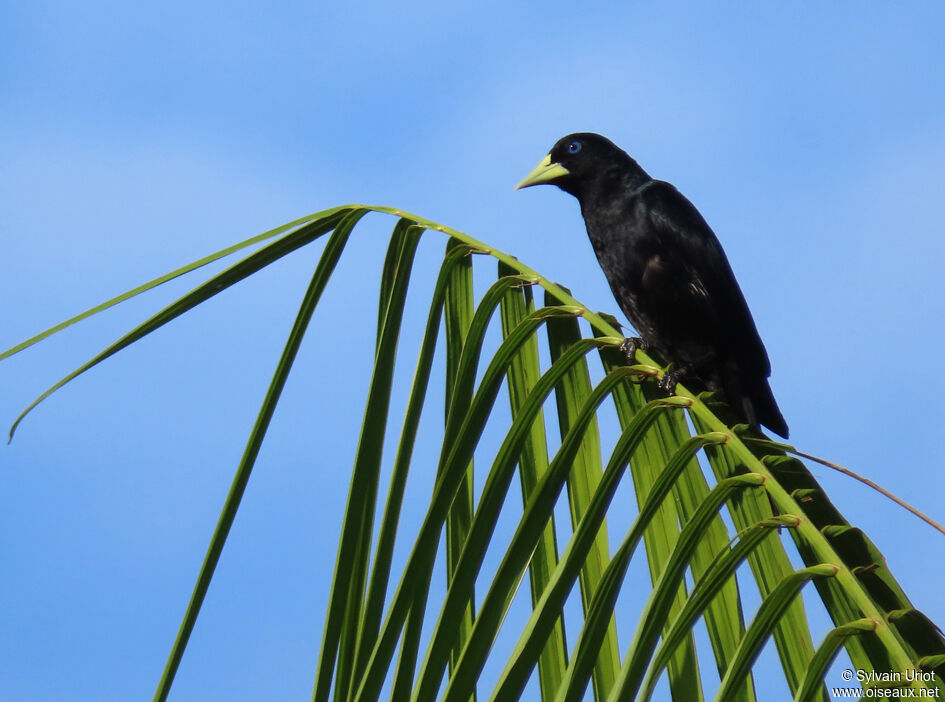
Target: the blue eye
pixel 574 147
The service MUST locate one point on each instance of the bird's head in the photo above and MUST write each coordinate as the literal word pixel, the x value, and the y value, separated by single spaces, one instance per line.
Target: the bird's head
pixel 578 159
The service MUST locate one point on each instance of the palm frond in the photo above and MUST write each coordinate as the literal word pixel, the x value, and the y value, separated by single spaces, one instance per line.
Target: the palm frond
pixel 683 480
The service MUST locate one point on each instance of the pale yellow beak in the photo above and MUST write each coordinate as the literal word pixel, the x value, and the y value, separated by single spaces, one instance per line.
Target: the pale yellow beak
pixel 544 172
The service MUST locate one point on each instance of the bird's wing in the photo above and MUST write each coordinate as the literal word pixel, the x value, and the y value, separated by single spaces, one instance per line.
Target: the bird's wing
pixel 705 283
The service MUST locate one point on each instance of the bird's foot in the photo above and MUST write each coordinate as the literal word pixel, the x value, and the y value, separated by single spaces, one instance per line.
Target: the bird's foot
pixel 630 345
pixel 670 379
pixel 677 372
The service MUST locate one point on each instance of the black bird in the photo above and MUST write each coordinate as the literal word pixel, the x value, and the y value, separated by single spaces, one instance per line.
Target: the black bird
pixel 668 272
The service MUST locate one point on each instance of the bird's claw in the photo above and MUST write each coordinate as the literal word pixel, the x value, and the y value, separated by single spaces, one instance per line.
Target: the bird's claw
pixel 630 345
pixel 669 381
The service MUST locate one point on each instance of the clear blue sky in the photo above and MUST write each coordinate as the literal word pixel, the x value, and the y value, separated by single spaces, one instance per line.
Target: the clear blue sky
pixel 136 137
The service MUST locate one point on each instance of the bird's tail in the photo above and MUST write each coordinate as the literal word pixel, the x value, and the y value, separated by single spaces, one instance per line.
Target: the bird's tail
pixel 754 401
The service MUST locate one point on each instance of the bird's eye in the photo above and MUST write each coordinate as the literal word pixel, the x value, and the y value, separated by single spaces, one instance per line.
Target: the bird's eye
pixel 574 147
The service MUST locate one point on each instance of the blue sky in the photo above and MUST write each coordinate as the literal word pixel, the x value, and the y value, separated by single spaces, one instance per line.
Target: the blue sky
pixel 137 137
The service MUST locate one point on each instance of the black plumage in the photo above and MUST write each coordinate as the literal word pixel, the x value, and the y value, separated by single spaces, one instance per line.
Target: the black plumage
pixel 668 273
